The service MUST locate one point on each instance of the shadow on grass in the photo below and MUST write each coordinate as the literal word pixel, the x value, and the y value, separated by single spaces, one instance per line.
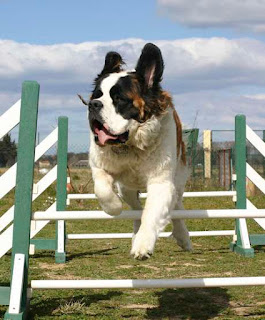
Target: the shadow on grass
pixel 195 303
pixel 50 254
pixel 47 307
pixel 104 252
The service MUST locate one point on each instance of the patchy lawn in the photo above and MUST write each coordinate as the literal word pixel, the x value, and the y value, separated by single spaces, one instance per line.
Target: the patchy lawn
pixel 110 259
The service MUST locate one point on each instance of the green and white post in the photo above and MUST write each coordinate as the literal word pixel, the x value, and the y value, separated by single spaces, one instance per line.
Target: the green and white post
pixel 61 197
pixel 241 245
pixel 23 198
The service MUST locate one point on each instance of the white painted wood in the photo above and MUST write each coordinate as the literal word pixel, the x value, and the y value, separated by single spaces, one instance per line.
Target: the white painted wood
pixel 8 179
pixel 31 249
pixel 6 238
pixel 73 196
pixel 134 214
pixel 10 119
pixel 255 140
pixel 148 283
pixel 32 224
pixel 161 235
pixel 6 219
pixel 41 224
pixel 255 178
pixel 46 144
pixel 60 233
pixel 244 233
pixel 17 284
pixel 259 221
pixel 35 188
pixel 42 185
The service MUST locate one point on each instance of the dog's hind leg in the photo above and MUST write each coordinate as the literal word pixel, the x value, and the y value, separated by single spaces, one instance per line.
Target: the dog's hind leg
pixel 180 232
pixel 131 197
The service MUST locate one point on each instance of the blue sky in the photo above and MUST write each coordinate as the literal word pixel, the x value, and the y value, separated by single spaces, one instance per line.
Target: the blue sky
pixel 57 21
pixel 214 53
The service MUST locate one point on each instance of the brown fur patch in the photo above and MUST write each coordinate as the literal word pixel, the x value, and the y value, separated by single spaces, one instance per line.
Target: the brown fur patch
pixel 157 107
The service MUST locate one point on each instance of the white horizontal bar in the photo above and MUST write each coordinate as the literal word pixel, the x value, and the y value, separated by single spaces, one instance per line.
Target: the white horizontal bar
pixel 10 119
pixel 255 140
pixel 84 236
pixel 251 206
pixel 148 283
pixel 131 214
pixel 200 194
pixel 83 196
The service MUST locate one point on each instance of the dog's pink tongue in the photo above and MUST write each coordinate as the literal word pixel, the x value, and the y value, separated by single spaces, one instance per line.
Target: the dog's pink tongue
pixel 104 135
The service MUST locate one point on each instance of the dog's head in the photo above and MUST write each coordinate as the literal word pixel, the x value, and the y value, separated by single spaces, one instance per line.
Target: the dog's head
pixel 124 99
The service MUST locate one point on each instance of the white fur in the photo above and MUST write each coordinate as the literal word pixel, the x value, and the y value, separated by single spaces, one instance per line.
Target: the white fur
pixel 117 124
pixel 149 162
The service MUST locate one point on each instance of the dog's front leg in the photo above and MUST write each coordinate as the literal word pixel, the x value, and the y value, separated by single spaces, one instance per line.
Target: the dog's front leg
pixel 159 203
pixel 103 186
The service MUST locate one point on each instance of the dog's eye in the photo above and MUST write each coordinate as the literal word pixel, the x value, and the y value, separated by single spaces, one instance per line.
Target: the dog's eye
pixel 96 94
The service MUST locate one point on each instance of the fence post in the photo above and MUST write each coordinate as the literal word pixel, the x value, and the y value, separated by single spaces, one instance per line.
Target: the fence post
pixel 61 197
pixel 207 147
pixel 241 203
pixel 24 184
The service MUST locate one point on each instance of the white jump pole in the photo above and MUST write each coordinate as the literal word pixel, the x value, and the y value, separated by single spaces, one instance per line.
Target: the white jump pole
pixel 76 236
pixel 84 196
pixel 150 283
pixel 131 214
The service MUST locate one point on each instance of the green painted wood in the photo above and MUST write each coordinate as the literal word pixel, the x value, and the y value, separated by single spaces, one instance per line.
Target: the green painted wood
pixel 24 179
pixel 4 296
pixel 248 253
pixel 61 195
pixel 240 164
pixel 257 239
pixel 44 244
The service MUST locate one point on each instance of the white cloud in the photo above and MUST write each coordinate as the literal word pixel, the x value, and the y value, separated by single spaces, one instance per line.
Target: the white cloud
pixel 238 14
pixel 213 75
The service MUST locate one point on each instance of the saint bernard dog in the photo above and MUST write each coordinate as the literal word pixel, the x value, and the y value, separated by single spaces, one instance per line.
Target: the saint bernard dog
pixel 136 145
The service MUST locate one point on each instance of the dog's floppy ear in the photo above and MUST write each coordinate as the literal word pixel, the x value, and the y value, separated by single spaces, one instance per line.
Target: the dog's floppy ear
pixel 113 63
pixel 150 66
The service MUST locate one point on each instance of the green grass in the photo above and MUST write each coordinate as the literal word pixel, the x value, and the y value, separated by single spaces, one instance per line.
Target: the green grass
pixel 110 259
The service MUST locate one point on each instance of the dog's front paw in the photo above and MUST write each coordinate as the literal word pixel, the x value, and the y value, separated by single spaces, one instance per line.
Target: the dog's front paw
pixel 112 207
pixel 143 245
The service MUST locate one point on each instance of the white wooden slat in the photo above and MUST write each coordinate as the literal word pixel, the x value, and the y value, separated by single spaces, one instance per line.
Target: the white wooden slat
pixel 255 178
pixel 42 185
pixel 6 238
pixel 244 233
pixel 10 119
pixel 8 179
pixel 259 221
pixel 17 284
pixel 255 140
pixel 61 236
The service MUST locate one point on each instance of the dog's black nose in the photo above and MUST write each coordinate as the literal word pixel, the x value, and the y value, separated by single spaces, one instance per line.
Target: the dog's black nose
pixel 95 105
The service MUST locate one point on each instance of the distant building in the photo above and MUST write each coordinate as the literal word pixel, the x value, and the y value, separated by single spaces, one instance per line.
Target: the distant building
pixel 81 164
pixel 44 164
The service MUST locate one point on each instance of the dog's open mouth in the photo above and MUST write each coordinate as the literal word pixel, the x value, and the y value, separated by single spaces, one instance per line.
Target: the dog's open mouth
pixel 103 136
